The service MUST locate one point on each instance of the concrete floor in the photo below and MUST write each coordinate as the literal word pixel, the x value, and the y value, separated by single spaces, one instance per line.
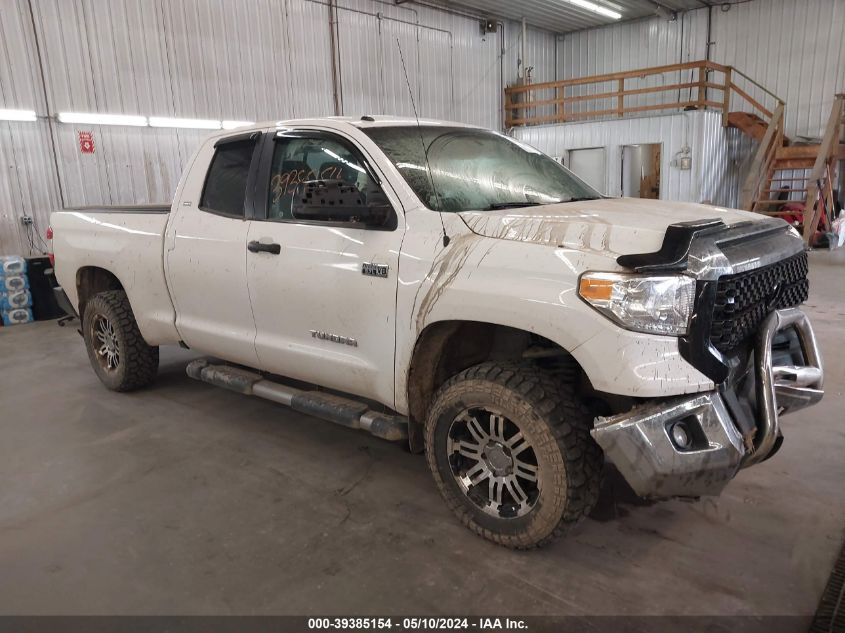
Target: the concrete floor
pixel 186 499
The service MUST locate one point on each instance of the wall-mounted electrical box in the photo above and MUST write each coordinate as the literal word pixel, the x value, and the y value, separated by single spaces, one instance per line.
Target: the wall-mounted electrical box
pixel 683 159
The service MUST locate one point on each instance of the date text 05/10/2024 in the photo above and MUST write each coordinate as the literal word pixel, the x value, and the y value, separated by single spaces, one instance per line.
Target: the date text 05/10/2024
pixel 417 624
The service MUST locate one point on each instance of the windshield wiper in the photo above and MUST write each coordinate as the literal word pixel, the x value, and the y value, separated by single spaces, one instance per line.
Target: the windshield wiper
pixel 585 199
pixel 510 205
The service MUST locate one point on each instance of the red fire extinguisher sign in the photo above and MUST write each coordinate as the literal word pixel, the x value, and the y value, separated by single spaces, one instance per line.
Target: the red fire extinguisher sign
pixel 86 142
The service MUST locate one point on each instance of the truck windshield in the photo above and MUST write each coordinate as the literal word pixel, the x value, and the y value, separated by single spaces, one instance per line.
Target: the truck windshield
pixel 476 170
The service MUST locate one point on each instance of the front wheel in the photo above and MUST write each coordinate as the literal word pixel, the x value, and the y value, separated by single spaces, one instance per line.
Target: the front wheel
pixel 118 353
pixel 511 453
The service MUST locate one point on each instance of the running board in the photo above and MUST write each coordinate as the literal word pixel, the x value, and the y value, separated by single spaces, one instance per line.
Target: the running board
pixel 343 411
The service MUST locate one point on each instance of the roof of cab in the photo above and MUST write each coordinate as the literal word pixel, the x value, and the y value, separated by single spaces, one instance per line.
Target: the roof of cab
pixel 366 121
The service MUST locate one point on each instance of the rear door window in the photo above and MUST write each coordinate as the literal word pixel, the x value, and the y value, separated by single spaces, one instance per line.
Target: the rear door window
pixel 225 188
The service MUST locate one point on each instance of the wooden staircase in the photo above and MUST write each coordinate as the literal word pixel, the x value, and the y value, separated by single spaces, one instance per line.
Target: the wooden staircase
pixel 785 178
pixel 749 123
pixel 792 180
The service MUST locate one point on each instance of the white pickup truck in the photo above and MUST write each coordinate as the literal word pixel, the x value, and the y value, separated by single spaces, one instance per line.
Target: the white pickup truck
pixel 456 288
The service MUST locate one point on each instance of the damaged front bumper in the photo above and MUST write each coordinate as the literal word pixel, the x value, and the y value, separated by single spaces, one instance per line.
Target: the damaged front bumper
pixel 691 446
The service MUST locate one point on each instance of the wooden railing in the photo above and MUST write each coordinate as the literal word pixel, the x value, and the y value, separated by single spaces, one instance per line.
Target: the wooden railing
pixel 691 85
pixel 830 151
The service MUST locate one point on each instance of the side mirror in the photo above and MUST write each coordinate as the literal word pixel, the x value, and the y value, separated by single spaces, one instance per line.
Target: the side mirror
pixel 339 201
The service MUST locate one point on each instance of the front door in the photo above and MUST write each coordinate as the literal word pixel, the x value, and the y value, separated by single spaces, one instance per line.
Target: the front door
pixel 323 292
pixel 206 252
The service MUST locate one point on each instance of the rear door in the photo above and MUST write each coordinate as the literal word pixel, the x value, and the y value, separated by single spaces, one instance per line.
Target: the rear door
pixel 324 301
pixel 206 251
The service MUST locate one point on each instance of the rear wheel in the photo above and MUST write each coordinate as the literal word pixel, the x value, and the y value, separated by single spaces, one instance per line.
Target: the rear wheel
pixel 118 353
pixel 511 453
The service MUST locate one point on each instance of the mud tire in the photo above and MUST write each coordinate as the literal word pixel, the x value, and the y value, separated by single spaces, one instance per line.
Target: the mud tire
pixel 138 362
pixel 557 424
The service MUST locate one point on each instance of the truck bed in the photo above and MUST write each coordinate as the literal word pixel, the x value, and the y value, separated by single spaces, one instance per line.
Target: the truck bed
pixel 128 242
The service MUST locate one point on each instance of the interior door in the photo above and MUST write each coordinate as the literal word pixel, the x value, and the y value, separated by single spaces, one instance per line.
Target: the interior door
pixel 206 251
pixel 641 171
pixel 324 297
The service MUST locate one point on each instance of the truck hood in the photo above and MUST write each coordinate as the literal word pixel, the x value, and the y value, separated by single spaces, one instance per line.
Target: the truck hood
pixel 615 226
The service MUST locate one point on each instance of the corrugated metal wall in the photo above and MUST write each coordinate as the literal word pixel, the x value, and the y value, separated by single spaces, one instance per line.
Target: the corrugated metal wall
pixel 218 59
pixel 27 182
pixel 268 59
pixel 540 59
pixel 792 47
pixel 714 155
pixel 630 46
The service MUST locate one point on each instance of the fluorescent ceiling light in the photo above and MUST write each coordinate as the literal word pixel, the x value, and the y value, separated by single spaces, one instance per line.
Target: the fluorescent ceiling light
pixel 102 119
pixel 231 125
pixel 85 118
pixel 596 8
pixel 17 115
pixel 200 124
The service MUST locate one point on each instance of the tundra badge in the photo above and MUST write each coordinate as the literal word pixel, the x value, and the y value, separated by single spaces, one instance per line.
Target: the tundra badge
pixel 374 270
pixel 334 338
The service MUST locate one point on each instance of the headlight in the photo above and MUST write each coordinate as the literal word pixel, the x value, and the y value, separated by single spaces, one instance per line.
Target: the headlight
pixel 655 305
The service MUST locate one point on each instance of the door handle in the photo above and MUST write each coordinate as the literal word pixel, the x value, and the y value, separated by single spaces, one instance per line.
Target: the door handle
pixel 258 247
